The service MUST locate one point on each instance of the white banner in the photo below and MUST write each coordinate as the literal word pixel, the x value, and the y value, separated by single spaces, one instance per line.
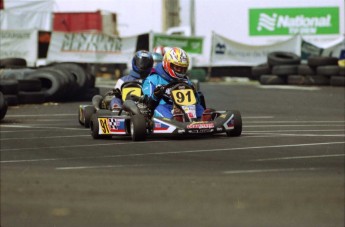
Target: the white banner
pixel 90 47
pixel 225 52
pixel 19 44
pixel 19 15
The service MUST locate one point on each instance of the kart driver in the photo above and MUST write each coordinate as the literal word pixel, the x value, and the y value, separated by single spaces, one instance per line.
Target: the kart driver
pixel 142 64
pixel 173 68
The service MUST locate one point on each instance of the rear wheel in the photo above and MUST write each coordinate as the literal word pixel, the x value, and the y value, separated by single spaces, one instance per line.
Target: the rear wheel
pixel 237 131
pixel 138 127
pixel 80 116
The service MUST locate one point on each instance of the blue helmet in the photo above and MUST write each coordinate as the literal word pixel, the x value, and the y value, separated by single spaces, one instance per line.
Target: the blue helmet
pixel 142 63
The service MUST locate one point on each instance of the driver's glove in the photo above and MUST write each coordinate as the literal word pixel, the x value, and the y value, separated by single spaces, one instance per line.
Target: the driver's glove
pixel 117 93
pixel 159 92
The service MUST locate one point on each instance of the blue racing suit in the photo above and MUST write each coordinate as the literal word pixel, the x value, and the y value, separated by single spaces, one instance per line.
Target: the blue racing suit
pixel 133 76
pixel 165 105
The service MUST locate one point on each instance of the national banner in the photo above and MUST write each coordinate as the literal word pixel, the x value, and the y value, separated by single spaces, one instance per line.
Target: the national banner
pixel 288 21
pixel 91 47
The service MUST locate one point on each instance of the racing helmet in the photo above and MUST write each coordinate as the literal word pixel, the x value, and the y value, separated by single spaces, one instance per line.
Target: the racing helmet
pixel 156 58
pixel 159 50
pixel 142 63
pixel 176 62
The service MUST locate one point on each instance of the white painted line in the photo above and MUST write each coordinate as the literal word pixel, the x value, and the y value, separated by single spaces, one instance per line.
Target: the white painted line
pixel 170 152
pixel 289 87
pixel 263 135
pixel 302 130
pixel 268 170
pixel 39 115
pixel 38 127
pixel 74 146
pixel 95 167
pixel 299 157
pixel 271 122
pixel 270 126
pixel 33 130
pixel 257 117
pixel 43 137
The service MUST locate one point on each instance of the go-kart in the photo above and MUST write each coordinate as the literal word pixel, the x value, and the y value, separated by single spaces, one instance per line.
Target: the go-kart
pixel 135 118
pixel 102 103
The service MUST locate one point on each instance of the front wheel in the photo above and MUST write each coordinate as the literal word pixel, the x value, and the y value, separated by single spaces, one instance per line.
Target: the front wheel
pixel 237 131
pixel 138 127
pixel 94 126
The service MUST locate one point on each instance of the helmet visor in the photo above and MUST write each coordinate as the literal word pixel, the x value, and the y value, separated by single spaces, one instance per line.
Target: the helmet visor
pixel 144 63
pixel 179 70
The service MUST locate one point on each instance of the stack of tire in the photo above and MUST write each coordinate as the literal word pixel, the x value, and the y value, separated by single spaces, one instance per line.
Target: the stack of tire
pixel 286 68
pixel 3 106
pixel 58 82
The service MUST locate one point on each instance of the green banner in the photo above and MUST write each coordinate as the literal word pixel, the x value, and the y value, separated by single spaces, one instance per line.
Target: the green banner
pixel 192 45
pixel 288 21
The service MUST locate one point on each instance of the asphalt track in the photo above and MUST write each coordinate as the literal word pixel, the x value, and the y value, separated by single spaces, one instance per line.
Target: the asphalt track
pixel 287 168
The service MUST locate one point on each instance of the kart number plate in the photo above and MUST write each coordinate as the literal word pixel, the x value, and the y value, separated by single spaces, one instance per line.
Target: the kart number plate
pixel 136 91
pixel 103 126
pixel 184 97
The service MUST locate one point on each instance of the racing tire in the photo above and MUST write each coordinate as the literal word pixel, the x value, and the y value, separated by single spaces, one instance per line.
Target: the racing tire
pixel 3 106
pixel 237 131
pixel 305 69
pixel 12 100
pixel 53 85
pixel 316 61
pixel 80 118
pixel 272 80
pixel 337 81
pixel 327 70
pixel 94 127
pixel 88 112
pixel 257 71
pixel 283 58
pixel 75 71
pixel 33 97
pixel 13 63
pixel 282 70
pixel 9 86
pixel 138 127
pixel 29 85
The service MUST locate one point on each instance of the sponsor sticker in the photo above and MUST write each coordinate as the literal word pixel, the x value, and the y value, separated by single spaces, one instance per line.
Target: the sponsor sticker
pixel 198 125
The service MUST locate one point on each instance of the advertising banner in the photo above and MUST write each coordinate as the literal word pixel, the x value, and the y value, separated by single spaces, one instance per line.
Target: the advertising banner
pixel 226 52
pixel 289 21
pixel 19 44
pixel 193 45
pixel 91 47
pixel 24 15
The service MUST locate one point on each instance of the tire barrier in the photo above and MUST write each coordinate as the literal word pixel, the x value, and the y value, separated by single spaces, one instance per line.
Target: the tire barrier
pixel 283 58
pixel 286 68
pixel 58 82
pixel 3 106
pixel 13 63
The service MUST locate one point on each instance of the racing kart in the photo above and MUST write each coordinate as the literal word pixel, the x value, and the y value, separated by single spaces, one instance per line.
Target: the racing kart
pixel 102 103
pixel 135 118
